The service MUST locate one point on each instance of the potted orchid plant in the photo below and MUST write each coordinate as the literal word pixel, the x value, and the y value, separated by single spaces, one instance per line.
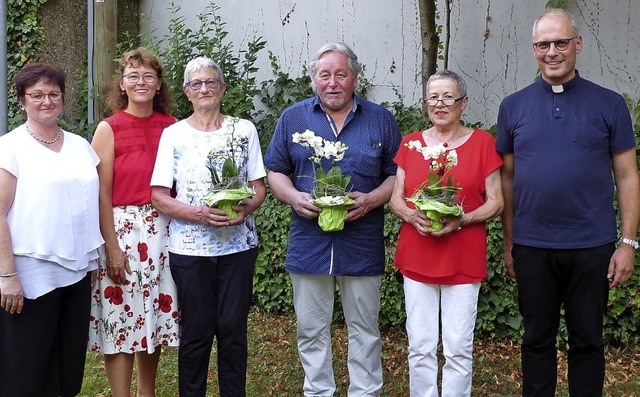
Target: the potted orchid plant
pixel 437 196
pixel 329 190
pixel 228 187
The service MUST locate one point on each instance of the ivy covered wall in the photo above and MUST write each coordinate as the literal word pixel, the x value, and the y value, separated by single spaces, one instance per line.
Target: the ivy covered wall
pixel 56 31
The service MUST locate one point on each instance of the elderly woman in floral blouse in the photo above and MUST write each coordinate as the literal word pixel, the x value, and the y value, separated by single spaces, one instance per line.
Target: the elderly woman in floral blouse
pixel 212 251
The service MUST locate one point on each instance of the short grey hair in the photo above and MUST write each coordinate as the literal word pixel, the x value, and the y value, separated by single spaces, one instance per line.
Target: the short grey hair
pixel 200 63
pixel 461 86
pixel 352 59
pixel 558 12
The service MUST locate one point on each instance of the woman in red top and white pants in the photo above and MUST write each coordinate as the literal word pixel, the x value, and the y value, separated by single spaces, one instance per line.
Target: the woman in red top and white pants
pixel 442 270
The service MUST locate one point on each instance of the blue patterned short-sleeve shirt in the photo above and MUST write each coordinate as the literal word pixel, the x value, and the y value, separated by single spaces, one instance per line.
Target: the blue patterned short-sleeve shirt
pixel 372 136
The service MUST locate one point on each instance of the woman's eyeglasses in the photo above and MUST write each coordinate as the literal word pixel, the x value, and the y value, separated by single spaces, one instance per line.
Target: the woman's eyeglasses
pixel 445 101
pixel 133 78
pixel 197 84
pixel 561 44
pixel 38 96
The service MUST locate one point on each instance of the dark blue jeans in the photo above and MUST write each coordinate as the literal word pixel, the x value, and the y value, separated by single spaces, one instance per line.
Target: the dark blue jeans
pixel 548 279
pixel 214 297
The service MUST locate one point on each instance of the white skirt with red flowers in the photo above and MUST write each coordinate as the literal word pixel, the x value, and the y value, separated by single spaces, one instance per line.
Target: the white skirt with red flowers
pixel 141 313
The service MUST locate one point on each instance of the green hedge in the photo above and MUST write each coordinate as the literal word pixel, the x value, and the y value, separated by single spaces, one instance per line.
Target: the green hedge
pixel 498 315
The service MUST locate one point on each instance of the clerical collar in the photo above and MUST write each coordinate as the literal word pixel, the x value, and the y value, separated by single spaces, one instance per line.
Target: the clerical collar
pixel 557 89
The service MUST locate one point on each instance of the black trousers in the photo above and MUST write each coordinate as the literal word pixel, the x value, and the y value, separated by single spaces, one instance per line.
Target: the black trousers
pixel 214 297
pixel 43 349
pixel 547 280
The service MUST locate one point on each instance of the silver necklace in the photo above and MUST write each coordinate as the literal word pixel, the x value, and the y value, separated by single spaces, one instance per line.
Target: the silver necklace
pixel 37 138
pixel 445 143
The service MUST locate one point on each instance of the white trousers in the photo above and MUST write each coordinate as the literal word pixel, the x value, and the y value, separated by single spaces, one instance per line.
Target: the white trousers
pixel 456 306
pixel 313 298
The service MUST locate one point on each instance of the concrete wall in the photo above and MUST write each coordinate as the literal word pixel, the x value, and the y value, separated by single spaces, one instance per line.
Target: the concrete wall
pixel 65 28
pixel 490 41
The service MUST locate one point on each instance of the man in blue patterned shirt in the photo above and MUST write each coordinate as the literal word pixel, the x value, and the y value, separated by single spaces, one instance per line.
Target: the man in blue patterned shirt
pixel 353 257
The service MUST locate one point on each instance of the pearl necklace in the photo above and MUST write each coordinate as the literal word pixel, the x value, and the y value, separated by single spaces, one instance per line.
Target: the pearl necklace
pixel 37 138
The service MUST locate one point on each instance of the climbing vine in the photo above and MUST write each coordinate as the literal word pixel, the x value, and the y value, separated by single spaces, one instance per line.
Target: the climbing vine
pixel 24 40
pixel 556 4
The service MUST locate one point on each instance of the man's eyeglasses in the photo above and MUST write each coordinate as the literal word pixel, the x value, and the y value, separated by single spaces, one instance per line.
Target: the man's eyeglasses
pixel 445 101
pixel 197 84
pixel 38 96
pixel 133 78
pixel 561 45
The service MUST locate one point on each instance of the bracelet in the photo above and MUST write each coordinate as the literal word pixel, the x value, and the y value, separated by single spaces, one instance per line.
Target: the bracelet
pixel 9 274
pixel 461 222
pixel 628 241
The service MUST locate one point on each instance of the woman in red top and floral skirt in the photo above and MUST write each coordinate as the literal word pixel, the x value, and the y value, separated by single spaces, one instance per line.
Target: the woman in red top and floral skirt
pixel 134 310
pixel 452 173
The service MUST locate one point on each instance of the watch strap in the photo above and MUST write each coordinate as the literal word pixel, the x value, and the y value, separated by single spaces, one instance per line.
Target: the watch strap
pixel 628 241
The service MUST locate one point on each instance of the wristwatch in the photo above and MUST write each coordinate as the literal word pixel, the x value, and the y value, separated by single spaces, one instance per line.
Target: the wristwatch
pixel 628 241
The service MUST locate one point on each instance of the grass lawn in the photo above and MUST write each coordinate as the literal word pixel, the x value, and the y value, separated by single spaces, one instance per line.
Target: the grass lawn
pixel 274 368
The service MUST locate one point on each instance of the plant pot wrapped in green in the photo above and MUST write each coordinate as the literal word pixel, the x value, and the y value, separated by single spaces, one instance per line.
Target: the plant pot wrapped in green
pixel 228 187
pixel 331 195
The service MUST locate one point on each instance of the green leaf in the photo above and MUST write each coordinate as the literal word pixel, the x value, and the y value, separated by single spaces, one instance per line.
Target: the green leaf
pixel 229 169
pixel 214 175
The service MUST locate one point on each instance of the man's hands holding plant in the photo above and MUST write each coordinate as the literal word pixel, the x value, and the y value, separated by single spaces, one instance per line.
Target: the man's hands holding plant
pixel 330 190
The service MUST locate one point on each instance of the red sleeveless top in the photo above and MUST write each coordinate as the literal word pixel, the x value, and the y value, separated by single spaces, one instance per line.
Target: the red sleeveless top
pixel 135 142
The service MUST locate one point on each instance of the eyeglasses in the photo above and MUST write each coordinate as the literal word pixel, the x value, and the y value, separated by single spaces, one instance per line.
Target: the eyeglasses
pixel 445 101
pixel 133 78
pixel 561 45
pixel 197 84
pixel 38 96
